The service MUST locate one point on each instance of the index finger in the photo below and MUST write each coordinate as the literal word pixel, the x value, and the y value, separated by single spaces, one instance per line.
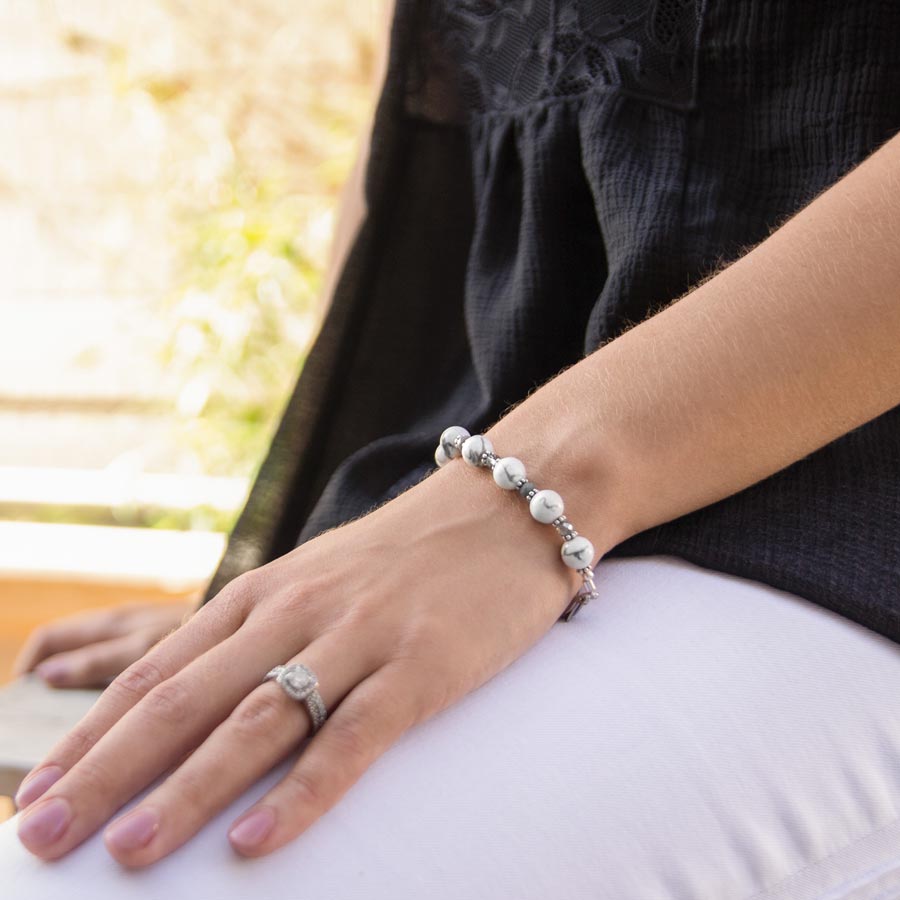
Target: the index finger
pixel 171 720
pixel 213 623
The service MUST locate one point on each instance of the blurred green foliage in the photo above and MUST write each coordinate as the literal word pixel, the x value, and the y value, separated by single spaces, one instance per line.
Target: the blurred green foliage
pixel 242 319
pixel 197 155
pixel 197 518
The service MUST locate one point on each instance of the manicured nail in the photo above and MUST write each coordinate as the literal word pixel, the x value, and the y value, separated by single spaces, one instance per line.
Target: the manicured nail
pixel 35 785
pixel 132 831
pixel 44 823
pixel 254 828
pixel 54 671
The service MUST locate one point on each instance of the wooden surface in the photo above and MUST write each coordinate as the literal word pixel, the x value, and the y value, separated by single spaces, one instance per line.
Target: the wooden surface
pixel 29 602
pixel 33 717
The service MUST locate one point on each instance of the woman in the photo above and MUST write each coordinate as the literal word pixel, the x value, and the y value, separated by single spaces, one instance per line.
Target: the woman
pixel 723 720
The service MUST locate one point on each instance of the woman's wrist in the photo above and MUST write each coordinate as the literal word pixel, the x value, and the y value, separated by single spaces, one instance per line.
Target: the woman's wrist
pixel 554 453
pixel 478 520
pixel 785 350
pixel 500 520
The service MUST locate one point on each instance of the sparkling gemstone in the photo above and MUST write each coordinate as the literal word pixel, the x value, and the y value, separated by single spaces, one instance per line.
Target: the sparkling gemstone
pixel 299 683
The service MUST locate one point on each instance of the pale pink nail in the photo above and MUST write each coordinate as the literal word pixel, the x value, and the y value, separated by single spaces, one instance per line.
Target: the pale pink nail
pixel 53 671
pixel 44 823
pixel 35 785
pixel 133 831
pixel 254 828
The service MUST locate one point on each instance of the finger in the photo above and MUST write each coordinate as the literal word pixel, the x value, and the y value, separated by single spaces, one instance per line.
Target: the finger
pixel 212 624
pixel 174 717
pixel 65 634
pixel 368 721
pixel 262 730
pixel 95 664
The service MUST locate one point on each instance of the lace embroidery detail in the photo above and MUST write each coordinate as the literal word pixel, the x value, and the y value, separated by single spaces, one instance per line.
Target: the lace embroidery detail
pixel 512 54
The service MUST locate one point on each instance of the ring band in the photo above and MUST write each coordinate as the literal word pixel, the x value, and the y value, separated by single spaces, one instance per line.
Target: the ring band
pixel 300 683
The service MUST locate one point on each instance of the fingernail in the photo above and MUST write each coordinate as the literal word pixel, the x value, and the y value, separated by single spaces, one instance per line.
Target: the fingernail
pixel 133 831
pixel 254 828
pixel 44 823
pixel 35 785
pixel 54 671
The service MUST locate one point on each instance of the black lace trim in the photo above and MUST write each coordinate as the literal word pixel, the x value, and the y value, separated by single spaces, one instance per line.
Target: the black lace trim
pixel 512 54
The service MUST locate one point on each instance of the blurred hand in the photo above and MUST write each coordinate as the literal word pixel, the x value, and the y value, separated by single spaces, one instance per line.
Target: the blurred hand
pixel 90 648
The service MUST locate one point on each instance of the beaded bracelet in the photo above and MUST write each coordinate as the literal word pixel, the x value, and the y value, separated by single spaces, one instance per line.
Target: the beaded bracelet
pixel 545 506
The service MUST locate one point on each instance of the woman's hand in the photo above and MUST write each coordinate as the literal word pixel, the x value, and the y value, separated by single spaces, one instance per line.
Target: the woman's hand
pixel 92 647
pixel 399 613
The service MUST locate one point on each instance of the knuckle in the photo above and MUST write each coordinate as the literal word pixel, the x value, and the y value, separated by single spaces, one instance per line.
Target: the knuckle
pixel 258 713
pixel 242 592
pixel 435 686
pixel 307 789
pixel 93 777
pixel 364 618
pixel 169 702
pixel 192 788
pixel 139 680
pixel 75 746
pixel 353 735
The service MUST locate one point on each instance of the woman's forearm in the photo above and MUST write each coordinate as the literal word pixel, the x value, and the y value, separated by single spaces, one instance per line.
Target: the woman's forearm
pixel 793 345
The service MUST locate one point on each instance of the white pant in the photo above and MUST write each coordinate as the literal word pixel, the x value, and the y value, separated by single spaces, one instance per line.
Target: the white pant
pixel 688 736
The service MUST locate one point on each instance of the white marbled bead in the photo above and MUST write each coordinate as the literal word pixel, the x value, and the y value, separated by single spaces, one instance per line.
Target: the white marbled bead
pixel 474 446
pixel 440 457
pixel 577 553
pixel 545 506
pixel 508 472
pixel 448 436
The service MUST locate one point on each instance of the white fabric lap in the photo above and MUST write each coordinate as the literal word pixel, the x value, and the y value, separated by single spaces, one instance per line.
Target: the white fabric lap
pixel 689 736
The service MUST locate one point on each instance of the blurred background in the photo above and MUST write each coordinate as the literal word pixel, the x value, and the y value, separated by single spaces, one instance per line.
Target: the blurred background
pixel 169 173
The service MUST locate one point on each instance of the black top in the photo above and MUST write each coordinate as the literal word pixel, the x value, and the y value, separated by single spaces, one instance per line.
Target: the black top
pixel 545 174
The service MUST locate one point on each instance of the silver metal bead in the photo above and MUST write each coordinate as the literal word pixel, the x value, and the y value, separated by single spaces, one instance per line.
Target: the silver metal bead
pixel 546 506
pixel 508 471
pixel 474 448
pixel 526 488
pixel 449 436
pixel 577 553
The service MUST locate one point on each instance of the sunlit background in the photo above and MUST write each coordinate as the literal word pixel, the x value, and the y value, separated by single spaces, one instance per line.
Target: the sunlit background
pixel 169 171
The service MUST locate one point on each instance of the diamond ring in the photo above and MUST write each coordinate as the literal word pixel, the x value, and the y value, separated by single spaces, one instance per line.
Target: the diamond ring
pixel 300 683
